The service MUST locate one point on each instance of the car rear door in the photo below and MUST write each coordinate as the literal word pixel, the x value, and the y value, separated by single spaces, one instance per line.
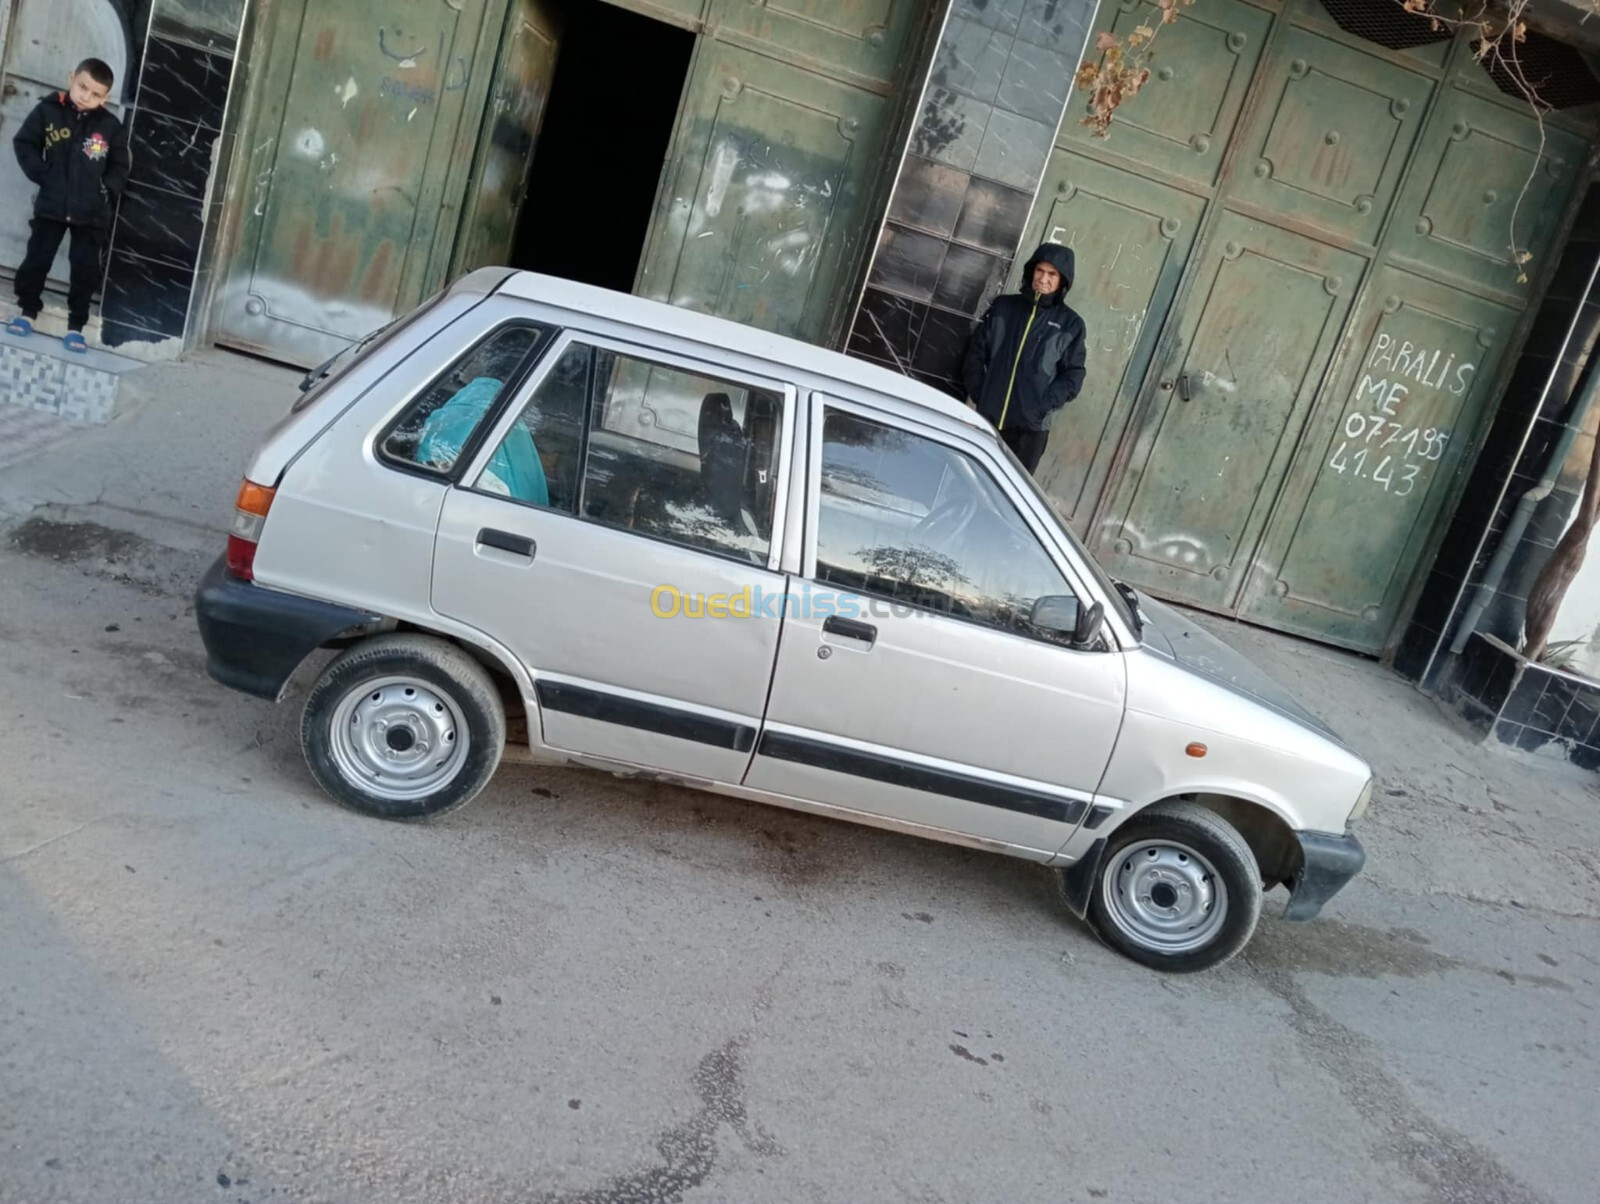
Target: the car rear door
pixel 618 530
pixel 910 683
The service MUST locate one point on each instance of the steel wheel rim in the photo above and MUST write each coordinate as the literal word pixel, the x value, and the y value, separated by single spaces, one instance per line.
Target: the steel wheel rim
pixel 1165 896
pixel 399 738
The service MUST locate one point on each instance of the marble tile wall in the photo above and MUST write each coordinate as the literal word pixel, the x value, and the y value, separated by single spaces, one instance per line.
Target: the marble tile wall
pixel 1536 406
pixel 175 126
pixel 1001 79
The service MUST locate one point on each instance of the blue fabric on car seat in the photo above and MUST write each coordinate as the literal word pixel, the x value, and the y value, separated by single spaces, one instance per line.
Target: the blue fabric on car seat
pixel 515 463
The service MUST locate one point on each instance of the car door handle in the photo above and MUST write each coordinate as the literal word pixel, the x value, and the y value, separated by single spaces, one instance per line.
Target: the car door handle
pixel 851 629
pixel 505 541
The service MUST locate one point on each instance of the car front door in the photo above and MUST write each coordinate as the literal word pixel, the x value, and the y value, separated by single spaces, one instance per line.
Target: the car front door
pixel 910 682
pixel 616 530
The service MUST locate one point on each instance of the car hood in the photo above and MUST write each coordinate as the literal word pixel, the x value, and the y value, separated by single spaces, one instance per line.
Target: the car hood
pixel 1170 633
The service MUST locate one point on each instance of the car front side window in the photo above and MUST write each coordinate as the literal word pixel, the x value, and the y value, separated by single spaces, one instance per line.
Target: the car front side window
pixel 911 520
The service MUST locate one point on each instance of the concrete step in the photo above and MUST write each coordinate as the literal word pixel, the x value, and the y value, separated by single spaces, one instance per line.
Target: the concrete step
pixel 38 373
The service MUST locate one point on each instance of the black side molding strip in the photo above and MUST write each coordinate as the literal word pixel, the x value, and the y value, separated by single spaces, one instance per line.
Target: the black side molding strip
pixel 894 772
pixel 646 716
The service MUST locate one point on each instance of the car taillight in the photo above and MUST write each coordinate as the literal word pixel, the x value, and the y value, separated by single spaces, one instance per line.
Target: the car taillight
pixel 249 517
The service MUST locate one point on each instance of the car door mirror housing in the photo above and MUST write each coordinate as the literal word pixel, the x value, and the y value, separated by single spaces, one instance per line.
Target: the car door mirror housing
pixel 1064 615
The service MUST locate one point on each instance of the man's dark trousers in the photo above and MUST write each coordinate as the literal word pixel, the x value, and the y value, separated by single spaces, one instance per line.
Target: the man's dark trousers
pixel 1027 446
pixel 85 255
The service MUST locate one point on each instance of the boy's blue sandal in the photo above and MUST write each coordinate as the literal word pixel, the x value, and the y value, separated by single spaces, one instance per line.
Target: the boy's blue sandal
pixel 20 327
pixel 75 342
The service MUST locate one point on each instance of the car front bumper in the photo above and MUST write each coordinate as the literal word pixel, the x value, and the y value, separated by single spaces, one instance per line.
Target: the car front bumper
pixel 1328 862
pixel 255 637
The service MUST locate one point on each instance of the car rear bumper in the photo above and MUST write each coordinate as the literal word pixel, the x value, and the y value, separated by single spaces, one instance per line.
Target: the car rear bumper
pixel 256 637
pixel 1328 863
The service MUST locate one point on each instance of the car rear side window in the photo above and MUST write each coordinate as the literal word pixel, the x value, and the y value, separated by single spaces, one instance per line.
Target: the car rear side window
pixel 435 430
pixel 909 519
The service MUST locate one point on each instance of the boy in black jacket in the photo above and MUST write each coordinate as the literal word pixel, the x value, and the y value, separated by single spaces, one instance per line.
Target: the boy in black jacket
pixel 77 153
pixel 1025 359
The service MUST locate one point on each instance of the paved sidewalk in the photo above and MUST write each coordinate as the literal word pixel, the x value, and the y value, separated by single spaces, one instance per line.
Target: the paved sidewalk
pixel 1451 817
pixel 25 432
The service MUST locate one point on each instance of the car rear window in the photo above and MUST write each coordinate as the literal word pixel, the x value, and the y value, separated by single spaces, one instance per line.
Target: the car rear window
pixel 434 432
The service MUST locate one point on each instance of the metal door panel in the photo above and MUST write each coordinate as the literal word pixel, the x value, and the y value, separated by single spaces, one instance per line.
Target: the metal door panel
pixel 1471 166
pixel 1133 238
pixel 1337 129
pixel 854 39
pixel 1182 120
pixel 348 163
pixel 1267 310
pixel 764 206
pixel 509 135
pixel 1400 417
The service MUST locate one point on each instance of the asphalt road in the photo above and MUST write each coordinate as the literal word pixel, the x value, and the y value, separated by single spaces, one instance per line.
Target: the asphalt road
pixel 216 985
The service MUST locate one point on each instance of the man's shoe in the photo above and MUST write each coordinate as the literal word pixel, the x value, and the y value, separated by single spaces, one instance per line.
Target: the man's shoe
pixel 74 341
pixel 20 327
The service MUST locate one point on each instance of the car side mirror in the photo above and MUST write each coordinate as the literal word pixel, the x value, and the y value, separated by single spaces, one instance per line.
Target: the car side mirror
pixel 1062 614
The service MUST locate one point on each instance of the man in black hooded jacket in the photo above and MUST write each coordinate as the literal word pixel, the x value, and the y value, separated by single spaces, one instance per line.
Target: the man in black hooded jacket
pixel 1025 360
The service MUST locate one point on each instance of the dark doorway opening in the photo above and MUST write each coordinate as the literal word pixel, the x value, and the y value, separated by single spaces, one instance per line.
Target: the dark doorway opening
pixel 603 145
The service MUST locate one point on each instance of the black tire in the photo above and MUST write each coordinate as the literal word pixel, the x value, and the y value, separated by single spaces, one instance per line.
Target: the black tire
pixel 424 685
pixel 1180 831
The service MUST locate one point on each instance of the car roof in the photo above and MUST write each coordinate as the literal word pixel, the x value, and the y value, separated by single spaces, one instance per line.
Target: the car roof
pixel 733 336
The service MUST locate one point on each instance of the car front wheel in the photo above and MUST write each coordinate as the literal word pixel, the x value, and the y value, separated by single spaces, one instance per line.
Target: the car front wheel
pixel 403 727
pixel 1178 889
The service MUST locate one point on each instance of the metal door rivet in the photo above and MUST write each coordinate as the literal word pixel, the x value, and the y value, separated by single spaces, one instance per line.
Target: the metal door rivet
pixel 1165 73
pixel 1220 572
pixel 1372 614
pixel 1263 170
pixel 1490 197
pixel 1331 137
pixel 254 307
pixel 1280 589
pixel 1122 547
pixel 824 653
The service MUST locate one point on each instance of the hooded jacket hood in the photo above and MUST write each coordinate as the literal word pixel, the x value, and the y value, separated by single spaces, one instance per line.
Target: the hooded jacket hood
pixel 1057 256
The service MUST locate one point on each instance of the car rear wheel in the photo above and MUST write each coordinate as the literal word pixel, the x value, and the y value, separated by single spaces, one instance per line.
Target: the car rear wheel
pixel 1178 889
pixel 403 727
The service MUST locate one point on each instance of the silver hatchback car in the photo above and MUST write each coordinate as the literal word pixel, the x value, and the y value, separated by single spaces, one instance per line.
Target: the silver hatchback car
pixel 551 523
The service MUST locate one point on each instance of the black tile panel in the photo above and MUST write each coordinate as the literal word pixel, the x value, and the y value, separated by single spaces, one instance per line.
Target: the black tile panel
pixel 158 226
pixel 929 196
pixel 1572 274
pixel 1522 705
pixel 887 328
pixel 968 277
pixel 971 59
pixel 1579 723
pixel 993 217
pixel 1585 756
pixel 1508 733
pixel 1411 657
pixel 1550 712
pixel 183 81
pixel 1548 335
pixel 908 262
pixel 1059 24
pixel 943 344
pixel 170 154
pixel 1014 149
pixel 1003 15
pixel 951 128
pixel 147 295
pixel 1532 739
pixel 1036 82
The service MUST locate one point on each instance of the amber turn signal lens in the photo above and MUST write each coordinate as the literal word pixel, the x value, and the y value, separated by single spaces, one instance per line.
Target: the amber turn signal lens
pixel 1196 749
